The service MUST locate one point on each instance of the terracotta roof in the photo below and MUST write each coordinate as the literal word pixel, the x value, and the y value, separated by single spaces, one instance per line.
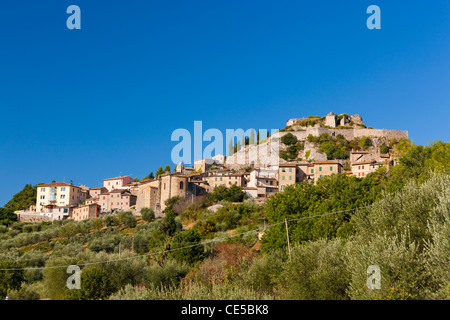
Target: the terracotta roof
pixel 326 162
pixel 57 184
pixel 99 188
pixel 119 191
pixel 116 178
pixel 363 162
pixel 288 164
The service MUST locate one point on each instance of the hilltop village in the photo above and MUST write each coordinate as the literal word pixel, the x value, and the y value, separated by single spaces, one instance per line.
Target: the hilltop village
pixel 308 149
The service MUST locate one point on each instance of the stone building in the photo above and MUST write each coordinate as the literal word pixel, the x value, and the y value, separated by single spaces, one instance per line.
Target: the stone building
pixel 84 212
pixel 147 194
pixel 326 168
pixel 117 182
pixel 58 194
pixel 363 168
pixel 121 200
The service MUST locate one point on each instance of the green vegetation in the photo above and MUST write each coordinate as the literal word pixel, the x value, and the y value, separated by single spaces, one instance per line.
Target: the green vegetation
pixel 7 216
pixel 289 139
pixel 334 147
pixel 397 219
pixel 23 199
pixel 148 214
pixel 232 194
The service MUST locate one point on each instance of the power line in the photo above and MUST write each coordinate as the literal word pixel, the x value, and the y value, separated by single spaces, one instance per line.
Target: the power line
pixel 181 248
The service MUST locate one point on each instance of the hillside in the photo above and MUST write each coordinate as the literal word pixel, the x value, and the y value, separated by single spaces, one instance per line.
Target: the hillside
pixel 397 219
pixel 316 138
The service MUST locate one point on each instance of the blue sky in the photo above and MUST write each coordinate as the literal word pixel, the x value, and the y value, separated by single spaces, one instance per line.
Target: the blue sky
pixel 99 102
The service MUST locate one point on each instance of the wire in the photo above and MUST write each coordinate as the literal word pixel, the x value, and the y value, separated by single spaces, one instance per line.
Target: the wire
pixel 181 248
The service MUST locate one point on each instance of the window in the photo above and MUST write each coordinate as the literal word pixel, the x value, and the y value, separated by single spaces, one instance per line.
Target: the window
pixel 290 169
pixel 320 168
pixel 220 178
pixel 363 167
pixel 42 197
pixel 42 189
pixel 282 178
pixel 63 196
pixel 359 167
pixel 283 170
pixel 63 188
pixel 181 185
pixel 331 168
pixel 290 177
pixel 312 170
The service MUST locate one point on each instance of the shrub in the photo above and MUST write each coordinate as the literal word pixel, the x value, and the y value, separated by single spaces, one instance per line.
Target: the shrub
pixel 128 219
pixel 193 252
pixel 317 271
pixel 289 139
pixel 232 194
pixel 400 266
pixel 95 285
pixel 148 214
pixel 9 279
pixel 365 142
pixel 26 292
pixel 168 274
pixel 384 148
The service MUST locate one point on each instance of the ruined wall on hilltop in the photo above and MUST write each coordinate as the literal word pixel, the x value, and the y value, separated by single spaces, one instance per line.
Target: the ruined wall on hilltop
pixel 349 134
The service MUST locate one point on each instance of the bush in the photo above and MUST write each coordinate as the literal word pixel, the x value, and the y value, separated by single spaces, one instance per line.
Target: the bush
pixel 148 214
pixel 9 279
pixel 317 271
pixel 400 266
pixel 263 274
pixel 26 292
pixel 365 142
pixel 95 285
pixel 168 274
pixel 289 139
pixel 128 219
pixel 193 251
pixel 384 149
pixel 232 194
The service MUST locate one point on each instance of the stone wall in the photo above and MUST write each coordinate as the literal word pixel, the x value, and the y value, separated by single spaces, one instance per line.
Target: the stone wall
pixel 349 134
pixel 32 217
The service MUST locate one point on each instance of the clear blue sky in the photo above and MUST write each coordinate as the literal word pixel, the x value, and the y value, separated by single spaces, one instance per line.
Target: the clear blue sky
pixel 94 103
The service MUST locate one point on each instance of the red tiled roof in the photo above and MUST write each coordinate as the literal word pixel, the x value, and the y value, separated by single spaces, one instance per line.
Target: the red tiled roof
pixel 57 184
pixel 327 162
pixel 116 178
pixel 363 162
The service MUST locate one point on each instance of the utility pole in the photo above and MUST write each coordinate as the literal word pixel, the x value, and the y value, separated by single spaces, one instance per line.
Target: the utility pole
pixel 287 234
